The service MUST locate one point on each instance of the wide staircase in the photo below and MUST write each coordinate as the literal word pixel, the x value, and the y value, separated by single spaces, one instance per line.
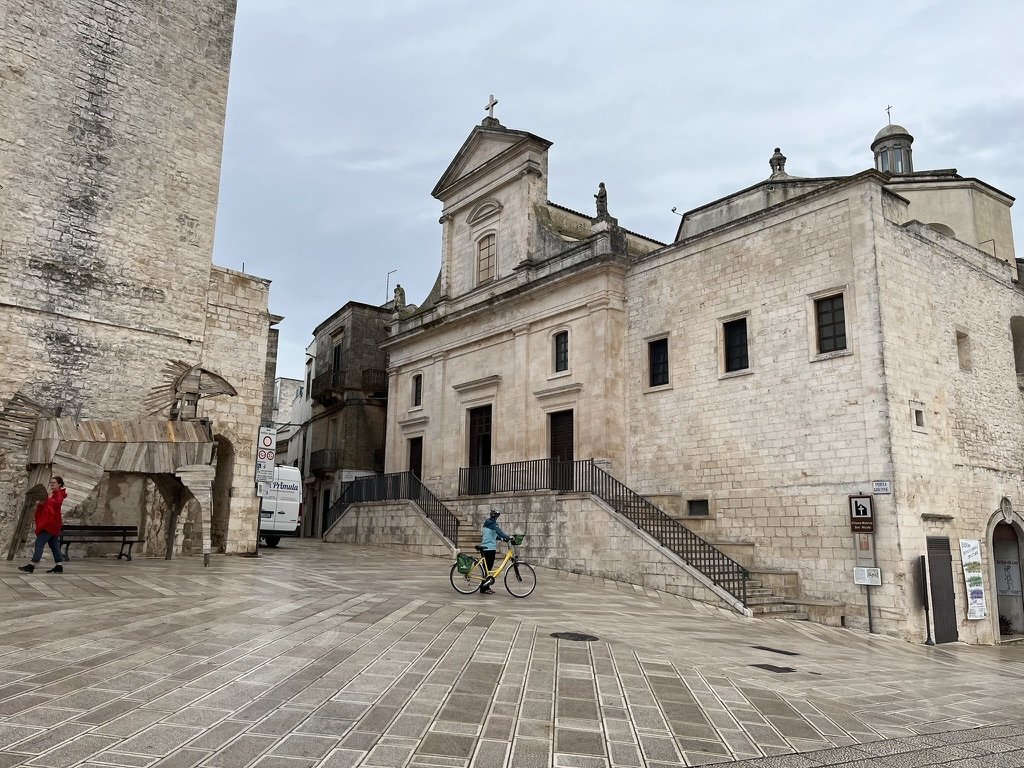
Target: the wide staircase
pixel 770 593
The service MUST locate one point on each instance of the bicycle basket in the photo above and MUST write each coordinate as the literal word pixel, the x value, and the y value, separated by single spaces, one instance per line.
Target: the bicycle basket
pixel 464 563
pixel 517 539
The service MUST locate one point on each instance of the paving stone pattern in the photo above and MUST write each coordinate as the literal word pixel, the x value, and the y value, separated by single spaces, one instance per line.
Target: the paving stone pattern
pixel 341 656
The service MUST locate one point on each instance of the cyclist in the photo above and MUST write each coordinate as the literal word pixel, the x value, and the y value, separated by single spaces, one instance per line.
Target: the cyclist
pixel 488 546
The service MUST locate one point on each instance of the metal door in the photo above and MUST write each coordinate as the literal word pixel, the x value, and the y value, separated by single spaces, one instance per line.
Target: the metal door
pixel 940 569
pixel 562 450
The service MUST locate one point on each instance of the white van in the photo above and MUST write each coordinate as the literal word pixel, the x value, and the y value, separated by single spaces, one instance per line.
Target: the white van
pixel 281 508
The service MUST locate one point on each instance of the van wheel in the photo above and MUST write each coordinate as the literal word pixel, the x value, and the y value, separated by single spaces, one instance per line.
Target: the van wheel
pixel 272 541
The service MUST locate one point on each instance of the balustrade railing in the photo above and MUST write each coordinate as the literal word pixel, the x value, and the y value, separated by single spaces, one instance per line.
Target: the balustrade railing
pixel 397 486
pixel 587 477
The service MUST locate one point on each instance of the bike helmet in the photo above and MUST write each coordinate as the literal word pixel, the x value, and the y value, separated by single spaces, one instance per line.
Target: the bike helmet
pixel 494 513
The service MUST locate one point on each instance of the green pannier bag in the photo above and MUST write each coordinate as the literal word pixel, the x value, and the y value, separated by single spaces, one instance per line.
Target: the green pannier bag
pixel 464 563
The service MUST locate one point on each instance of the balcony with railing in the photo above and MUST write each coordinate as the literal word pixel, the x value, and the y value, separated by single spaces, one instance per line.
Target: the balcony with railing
pixel 375 382
pixel 324 461
pixel 328 387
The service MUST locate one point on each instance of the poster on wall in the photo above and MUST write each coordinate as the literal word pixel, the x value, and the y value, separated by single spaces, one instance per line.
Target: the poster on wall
pixel 970 555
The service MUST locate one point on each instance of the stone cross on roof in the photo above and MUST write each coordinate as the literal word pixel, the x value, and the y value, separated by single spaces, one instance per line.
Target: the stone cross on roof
pixel 490 106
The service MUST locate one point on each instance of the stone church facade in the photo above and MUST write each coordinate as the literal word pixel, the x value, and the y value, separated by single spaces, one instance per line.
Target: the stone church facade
pixel 801 344
pixel 115 326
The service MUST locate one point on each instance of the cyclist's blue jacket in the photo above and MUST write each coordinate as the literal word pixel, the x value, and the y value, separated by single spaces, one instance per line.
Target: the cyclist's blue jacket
pixel 492 532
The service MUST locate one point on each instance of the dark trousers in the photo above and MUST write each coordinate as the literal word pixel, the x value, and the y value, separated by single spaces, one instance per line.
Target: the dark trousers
pixel 42 540
pixel 489 557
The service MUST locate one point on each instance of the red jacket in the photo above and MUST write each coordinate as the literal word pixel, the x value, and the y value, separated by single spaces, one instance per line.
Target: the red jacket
pixel 48 517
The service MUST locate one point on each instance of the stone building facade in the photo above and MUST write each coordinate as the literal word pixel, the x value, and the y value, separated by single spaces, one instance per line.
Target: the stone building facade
pixel 348 404
pixel 801 342
pixel 110 150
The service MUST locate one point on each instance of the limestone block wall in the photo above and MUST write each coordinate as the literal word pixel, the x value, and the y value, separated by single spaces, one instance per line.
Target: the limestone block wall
pixel 236 348
pixel 112 160
pixel 110 143
pixel 572 532
pixel 777 448
pixel 396 524
pixel 951 357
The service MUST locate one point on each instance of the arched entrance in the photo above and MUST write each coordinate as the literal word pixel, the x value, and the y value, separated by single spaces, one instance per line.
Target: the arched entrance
pixel 225 461
pixel 1006 556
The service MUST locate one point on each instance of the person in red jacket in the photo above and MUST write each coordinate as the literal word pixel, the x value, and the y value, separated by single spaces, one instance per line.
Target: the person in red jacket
pixel 48 527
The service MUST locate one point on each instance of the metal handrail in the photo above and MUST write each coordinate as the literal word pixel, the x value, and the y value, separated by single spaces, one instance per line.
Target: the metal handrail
pixel 586 477
pixel 397 486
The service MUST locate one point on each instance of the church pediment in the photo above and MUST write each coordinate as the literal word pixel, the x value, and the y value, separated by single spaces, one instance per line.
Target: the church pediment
pixel 486 147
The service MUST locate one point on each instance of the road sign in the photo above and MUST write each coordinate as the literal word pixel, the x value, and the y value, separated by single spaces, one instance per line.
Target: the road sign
pixel 862 516
pixel 266 449
pixel 879 487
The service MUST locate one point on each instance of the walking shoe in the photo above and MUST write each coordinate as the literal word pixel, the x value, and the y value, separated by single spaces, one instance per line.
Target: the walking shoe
pixel 27 568
pixel 58 568
pixel 487 591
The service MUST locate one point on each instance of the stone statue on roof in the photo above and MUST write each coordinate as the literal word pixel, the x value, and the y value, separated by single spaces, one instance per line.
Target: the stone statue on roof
pixel 602 200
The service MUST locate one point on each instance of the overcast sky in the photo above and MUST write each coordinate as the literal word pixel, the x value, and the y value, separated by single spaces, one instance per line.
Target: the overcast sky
pixel 342 116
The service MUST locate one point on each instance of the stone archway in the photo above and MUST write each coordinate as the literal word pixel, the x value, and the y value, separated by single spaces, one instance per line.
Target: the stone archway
pixel 1006 557
pixel 222 481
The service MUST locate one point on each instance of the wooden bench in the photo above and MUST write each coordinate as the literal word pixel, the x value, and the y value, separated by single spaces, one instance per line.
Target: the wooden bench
pixel 125 535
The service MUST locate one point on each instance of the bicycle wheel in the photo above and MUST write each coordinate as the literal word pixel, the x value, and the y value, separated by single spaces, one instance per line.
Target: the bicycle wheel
pixel 467 583
pixel 520 579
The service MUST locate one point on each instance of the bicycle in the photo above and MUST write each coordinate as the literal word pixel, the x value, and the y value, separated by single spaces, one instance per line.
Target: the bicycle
pixel 520 579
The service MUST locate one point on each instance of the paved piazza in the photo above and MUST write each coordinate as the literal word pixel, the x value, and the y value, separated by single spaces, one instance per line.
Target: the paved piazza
pixel 335 655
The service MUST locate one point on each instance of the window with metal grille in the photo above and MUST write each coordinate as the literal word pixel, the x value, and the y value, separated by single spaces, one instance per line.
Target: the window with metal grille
pixel 417 390
pixel 657 352
pixel 734 335
pixel 831 319
pixel 562 351
pixel 487 250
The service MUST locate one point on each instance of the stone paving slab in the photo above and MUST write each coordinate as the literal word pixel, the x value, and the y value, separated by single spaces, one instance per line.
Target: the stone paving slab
pixel 342 656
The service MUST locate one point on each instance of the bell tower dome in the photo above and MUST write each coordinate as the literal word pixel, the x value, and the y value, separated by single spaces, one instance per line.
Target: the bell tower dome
pixel 891 148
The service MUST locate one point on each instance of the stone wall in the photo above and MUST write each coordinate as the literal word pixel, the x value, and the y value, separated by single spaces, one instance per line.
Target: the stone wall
pixel 236 348
pixel 111 139
pixel 568 532
pixel 779 446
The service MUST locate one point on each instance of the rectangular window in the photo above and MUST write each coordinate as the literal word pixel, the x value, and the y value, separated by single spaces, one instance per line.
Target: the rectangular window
pixel 657 352
pixel 486 259
pixel 963 350
pixel 561 351
pixel 417 390
pixel 336 358
pixel 734 335
pixel 831 319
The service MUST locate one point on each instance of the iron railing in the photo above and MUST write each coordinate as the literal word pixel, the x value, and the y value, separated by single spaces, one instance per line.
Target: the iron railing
pixel 397 486
pixel 326 460
pixel 535 475
pixel 328 385
pixel 375 380
pixel 587 477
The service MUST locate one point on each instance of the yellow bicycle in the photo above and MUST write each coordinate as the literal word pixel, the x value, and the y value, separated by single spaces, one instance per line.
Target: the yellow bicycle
pixel 468 575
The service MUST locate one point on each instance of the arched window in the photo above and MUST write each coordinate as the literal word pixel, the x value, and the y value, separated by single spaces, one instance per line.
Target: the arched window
pixel 487 252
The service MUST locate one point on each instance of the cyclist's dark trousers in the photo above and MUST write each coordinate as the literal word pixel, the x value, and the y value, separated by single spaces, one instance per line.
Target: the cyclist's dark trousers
pixel 489 557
